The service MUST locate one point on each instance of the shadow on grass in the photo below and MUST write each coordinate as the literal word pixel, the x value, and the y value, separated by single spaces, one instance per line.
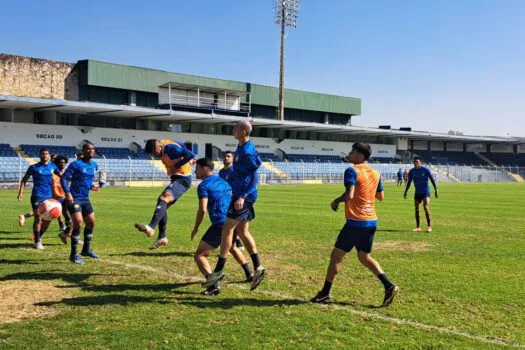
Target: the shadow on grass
pixel 230 303
pixel 14 239
pixel 142 254
pixel 108 288
pixel 24 245
pixel 354 305
pixel 17 262
pixel 390 230
pixel 109 299
pixel 75 278
pixel 8 232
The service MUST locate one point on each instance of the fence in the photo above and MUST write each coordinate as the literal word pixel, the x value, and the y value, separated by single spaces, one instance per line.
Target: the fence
pixel 143 171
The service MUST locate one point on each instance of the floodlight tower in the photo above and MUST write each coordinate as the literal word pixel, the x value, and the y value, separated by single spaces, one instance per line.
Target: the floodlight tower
pixel 286 16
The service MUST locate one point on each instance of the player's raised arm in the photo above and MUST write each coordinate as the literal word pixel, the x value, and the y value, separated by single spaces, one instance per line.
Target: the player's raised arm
pixel 23 182
pixel 64 181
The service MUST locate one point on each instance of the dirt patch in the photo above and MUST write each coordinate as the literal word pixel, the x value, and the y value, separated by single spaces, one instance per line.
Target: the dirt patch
pixel 403 246
pixel 19 299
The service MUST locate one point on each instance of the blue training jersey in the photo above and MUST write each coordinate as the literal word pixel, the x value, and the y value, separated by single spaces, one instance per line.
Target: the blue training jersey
pixel 244 177
pixel 225 174
pixel 81 174
pixel 420 178
pixel 42 179
pixel 400 175
pixel 217 191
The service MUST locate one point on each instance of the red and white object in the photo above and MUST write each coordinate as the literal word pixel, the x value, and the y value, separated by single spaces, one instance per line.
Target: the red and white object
pixel 50 209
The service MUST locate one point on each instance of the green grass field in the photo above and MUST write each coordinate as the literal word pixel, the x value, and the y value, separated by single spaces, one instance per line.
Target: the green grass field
pixel 462 286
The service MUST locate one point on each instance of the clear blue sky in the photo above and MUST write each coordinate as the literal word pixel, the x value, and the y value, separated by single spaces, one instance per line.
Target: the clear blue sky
pixel 432 65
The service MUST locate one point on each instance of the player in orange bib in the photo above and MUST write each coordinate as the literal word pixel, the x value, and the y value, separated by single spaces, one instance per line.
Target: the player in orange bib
pixel 363 186
pixel 176 158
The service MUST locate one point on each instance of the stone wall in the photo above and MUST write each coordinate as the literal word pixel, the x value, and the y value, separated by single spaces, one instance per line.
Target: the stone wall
pixel 33 77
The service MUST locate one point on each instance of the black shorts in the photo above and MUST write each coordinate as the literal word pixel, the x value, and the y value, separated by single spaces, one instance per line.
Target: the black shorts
pixel 361 238
pixel 178 186
pixel 81 206
pixel 213 236
pixel 246 213
pixel 35 202
pixel 419 197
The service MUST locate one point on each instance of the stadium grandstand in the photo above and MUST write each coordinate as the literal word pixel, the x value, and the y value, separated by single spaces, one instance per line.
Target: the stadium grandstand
pixel 60 105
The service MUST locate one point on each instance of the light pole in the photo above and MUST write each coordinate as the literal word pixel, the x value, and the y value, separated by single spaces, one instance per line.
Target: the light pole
pixel 286 16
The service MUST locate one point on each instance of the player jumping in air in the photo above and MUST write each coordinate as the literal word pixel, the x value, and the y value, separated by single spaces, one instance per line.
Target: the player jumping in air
pixel 42 173
pixel 176 159
pixel 214 198
pixel 420 175
pixel 363 186
pixel 243 181
pixel 81 173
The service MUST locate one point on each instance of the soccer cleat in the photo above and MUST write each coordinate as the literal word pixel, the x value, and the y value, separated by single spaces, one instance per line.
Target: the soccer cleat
pixel 146 229
pixel 258 276
pixel 213 278
pixel 390 293
pixel 76 259
pixel 213 291
pixel 159 243
pixel 63 237
pixel 90 254
pixel 249 278
pixel 39 245
pixel 417 229
pixel 429 229
pixel 21 220
pixel 321 299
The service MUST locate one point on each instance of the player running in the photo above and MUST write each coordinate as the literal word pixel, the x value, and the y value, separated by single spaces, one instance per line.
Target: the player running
pixel 420 175
pixel 214 198
pixel 176 158
pixel 42 173
pixel 363 185
pixel 81 173
pixel 225 173
pixel 243 181
pixel 59 194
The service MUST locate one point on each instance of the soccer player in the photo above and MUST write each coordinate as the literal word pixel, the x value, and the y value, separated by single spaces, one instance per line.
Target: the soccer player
pixel 420 175
pixel 243 181
pixel 405 176
pixel 400 177
pixel 225 173
pixel 362 186
pixel 59 194
pixel 176 158
pixel 81 173
pixel 214 198
pixel 42 173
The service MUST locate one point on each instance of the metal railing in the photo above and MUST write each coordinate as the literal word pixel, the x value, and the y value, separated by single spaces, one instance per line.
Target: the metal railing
pixel 226 103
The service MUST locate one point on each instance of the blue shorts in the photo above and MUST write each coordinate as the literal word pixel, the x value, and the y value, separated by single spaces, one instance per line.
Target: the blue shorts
pixel 419 197
pixel 361 238
pixel 35 202
pixel 213 235
pixel 178 186
pixel 246 213
pixel 81 206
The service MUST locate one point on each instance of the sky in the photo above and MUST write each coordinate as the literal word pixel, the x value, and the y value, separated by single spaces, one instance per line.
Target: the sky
pixel 431 65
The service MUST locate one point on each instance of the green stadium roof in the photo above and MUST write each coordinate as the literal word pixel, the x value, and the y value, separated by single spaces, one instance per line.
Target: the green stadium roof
pixel 125 77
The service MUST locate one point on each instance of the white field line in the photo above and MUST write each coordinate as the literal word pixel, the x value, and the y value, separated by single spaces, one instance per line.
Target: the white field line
pixel 366 314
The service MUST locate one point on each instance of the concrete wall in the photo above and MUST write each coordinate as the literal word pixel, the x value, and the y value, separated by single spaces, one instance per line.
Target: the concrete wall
pixel 32 77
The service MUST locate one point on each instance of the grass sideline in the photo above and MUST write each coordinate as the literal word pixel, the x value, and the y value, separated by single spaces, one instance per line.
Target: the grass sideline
pixel 461 286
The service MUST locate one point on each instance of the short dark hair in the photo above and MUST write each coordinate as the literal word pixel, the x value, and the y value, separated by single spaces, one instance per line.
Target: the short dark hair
pixel 362 148
pixel 58 159
pixel 42 150
pixel 227 152
pixel 84 146
pixel 150 146
pixel 418 158
pixel 206 162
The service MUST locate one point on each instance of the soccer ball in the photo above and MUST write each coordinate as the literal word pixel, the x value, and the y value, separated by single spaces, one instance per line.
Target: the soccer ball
pixel 50 209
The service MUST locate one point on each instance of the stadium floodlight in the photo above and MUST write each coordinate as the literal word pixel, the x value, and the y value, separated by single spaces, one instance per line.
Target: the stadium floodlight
pixel 285 12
